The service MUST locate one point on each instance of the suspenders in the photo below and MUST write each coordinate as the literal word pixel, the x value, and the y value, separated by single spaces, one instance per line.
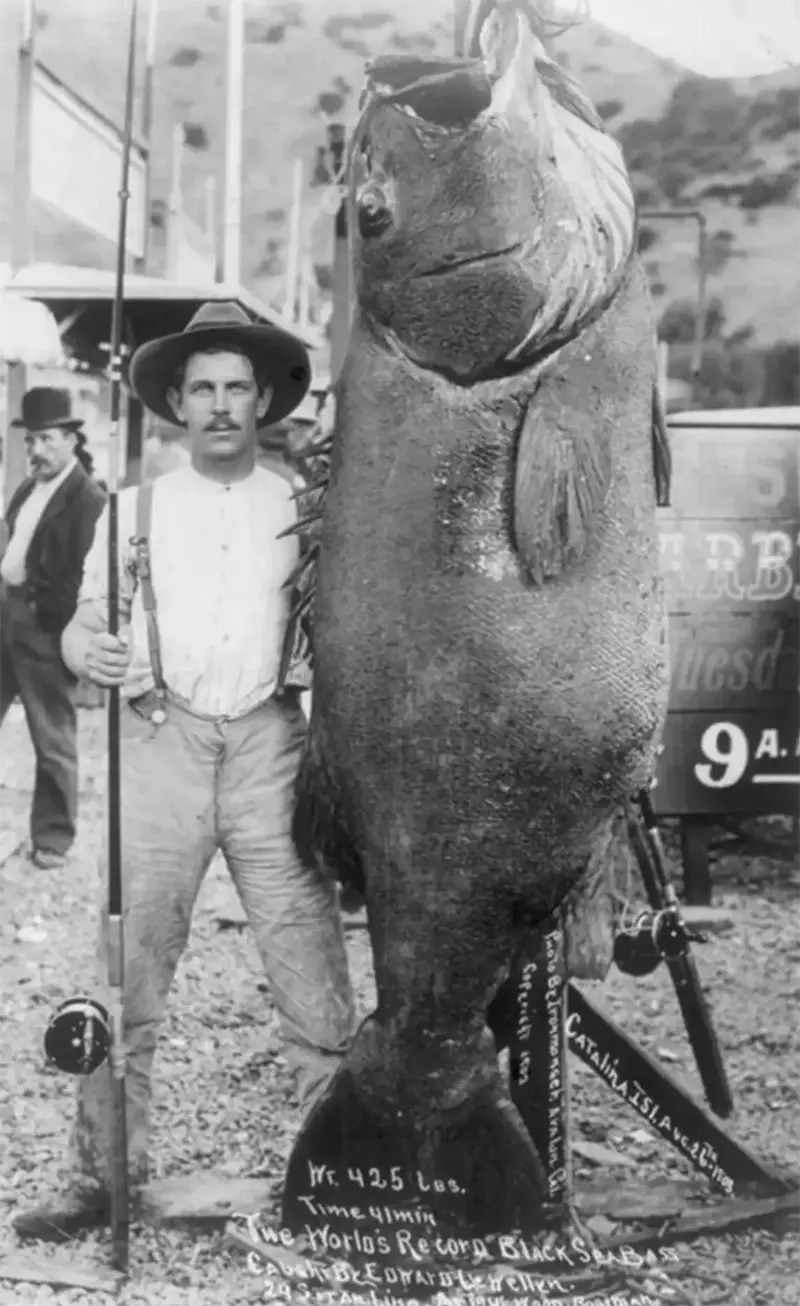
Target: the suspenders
pixel 141 543
pixel 143 575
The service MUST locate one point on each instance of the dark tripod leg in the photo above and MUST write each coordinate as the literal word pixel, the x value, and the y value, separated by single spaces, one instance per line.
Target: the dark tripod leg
pixel 646 843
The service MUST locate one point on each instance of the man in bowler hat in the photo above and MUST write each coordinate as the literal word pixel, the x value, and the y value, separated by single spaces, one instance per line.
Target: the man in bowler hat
pixel 212 732
pixel 49 527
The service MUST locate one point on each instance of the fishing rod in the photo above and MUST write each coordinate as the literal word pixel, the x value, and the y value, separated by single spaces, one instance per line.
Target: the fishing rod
pixel 82 1034
pixel 116 951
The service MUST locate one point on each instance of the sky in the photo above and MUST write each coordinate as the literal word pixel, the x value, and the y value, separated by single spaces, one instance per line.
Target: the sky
pixel 720 38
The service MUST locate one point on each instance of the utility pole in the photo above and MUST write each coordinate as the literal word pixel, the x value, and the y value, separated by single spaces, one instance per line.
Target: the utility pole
pixel 340 321
pixel 210 222
pixel 14 459
pixel 232 207
pixel 175 204
pixel 293 251
pixel 143 264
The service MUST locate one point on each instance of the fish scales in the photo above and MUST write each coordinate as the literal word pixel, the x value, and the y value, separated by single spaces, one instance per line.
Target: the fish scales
pixel 488 620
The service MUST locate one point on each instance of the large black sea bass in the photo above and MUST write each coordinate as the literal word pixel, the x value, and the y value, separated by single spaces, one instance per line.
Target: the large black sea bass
pixel 488 628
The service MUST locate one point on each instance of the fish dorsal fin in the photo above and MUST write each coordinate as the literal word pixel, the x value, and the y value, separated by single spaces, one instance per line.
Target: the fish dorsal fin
pixel 562 477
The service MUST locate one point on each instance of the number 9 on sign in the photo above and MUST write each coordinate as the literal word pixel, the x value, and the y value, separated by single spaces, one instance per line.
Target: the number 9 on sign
pixel 725 745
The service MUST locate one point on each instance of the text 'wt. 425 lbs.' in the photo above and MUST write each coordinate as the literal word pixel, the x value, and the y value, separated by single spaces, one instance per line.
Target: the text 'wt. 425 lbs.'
pixel 489 648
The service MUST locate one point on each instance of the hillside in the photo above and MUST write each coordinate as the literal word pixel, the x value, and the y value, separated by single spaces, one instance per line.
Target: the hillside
pixel 732 148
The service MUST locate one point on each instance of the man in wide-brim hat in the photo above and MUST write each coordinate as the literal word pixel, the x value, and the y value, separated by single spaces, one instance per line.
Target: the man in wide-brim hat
pixel 49 527
pixel 212 727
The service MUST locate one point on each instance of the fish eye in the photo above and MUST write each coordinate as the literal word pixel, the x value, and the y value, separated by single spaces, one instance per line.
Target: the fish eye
pixel 373 211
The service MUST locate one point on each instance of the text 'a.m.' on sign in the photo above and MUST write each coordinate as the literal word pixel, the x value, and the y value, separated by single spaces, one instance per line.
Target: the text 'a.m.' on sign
pixel 729 551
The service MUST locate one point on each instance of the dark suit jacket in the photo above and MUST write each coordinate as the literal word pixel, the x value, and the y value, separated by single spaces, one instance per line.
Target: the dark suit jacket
pixel 57 551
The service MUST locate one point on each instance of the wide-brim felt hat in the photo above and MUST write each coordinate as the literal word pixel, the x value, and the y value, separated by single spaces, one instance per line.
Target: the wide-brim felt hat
pixel 282 358
pixel 45 407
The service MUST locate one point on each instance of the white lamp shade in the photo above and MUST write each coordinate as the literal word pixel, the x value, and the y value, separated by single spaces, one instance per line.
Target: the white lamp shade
pixel 28 332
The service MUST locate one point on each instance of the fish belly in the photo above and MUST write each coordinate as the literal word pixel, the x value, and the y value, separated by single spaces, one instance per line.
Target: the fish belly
pixel 478 734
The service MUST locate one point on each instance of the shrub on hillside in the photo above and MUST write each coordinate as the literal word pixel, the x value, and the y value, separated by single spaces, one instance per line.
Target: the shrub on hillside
pixel 336 26
pixel 722 190
pixel 609 109
pixel 647 238
pixel 186 57
pixel 674 178
pixel 645 192
pixel 195 135
pixel 324 276
pixel 678 322
pixel 413 42
pixel 256 33
pixel 729 377
pixel 329 102
pixel 719 251
pixel 767 188
pixel 703 129
pixel 782 373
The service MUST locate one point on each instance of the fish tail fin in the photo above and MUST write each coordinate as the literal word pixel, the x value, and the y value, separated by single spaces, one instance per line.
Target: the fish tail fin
pixel 387 1148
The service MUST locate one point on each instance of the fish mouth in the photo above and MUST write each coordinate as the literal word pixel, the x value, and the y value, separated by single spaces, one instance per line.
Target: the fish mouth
pixel 471 260
pixel 449 95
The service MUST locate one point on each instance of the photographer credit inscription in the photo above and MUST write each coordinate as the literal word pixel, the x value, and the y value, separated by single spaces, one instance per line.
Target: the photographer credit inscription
pixel 537 1048
pixel 730 545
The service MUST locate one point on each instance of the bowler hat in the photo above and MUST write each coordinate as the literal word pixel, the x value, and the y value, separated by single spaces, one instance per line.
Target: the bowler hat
pixel 282 357
pixel 45 407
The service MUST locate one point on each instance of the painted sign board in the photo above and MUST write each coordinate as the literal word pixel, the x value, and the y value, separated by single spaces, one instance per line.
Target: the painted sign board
pixel 729 553
pixel 76 160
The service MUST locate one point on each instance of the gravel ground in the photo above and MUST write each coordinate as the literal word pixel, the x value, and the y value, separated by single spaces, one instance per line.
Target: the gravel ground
pixel 222 1095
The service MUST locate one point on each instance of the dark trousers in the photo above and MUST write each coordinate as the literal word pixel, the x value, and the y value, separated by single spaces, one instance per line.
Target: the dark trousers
pixel 31 669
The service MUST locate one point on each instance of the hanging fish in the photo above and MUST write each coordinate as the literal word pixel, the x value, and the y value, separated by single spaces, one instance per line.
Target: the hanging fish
pixel 491 673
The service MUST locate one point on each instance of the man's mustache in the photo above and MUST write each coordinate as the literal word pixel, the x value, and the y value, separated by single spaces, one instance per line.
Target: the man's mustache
pixel 222 424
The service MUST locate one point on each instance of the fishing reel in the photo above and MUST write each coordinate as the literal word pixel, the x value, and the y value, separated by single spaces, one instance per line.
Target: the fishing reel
pixel 652 938
pixel 78 1037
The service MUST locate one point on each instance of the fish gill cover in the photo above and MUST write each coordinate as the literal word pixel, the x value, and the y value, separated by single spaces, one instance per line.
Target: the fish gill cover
pixel 488 621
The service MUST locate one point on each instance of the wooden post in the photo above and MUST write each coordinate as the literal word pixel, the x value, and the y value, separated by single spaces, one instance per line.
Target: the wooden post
pixel 293 250
pixel 340 323
pixel 142 264
pixel 175 205
pixel 14 459
pixel 210 222
pixel 695 838
pixel 232 222
pixel 306 274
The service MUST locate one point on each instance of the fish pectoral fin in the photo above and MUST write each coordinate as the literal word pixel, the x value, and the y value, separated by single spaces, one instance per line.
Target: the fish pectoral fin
pixel 562 477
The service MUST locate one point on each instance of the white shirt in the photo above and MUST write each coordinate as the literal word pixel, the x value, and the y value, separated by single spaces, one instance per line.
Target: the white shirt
pixel 12 567
pixel 218 572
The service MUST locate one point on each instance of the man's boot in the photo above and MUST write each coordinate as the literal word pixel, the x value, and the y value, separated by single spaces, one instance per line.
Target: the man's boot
pixel 63 1216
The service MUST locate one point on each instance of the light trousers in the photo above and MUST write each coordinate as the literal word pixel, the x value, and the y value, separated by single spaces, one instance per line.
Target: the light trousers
pixel 190 787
